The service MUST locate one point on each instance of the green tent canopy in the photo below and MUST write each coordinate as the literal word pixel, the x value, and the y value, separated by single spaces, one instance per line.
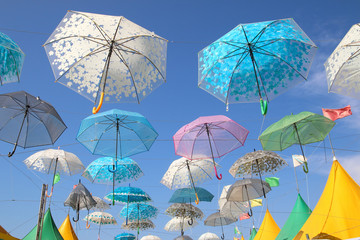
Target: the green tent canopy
pixel 253 233
pixel 298 216
pixel 49 231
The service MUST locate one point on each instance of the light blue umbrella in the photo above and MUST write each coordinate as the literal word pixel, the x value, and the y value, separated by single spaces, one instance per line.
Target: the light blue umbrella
pixel 256 61
pixel 139 211
pixel 187 195
pixel 125 236
pixel 11 60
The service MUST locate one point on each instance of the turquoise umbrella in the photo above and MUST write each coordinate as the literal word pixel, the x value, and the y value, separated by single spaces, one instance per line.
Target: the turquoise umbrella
pixel 125 236
pixel 11 60
pixel 187 195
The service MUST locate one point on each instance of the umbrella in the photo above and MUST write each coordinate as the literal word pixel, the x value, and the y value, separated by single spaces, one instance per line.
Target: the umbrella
pixel 184 195
pixel 11 60
pixel 125 236
pixel 209 236
pixel 209 137
pixel 232 209
pixel 28 121
pixel 55 161
pixel 80 198
pixel 184 210
pixel 302 128
pixel 256 61
pixel 138 225
pixel 138 211
pixel 116 134
pixel 246 190
pixel 179 224
pixel 217 219
pixel 100 218
pixel 183 237
pixel 150 237
pixel 185 173
pixel 258 163
pixel 101 205
pixel 110 59
pixel 341 67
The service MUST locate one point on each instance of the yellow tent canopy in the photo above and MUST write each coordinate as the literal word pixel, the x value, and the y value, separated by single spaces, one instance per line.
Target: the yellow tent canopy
pixel 66 230
pixel 337 213
pixel 4 235
pixel 268 229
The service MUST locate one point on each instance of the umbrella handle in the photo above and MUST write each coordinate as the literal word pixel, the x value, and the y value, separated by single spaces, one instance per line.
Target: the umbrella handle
pixel 112 170
pixel 191 221
pixel 222 236
pixel 305 167
pixel 49 196
pixel 264 106
pixel 250 213
pixel 75 220
pixel 12 153
pixel 87 224
pixel 216 173
pixel 197 199
pixel 96 109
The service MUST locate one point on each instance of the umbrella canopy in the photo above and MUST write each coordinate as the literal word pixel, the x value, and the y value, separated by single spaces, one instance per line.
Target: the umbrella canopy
pixel 257 163
pixel 138 211
pixel 183 237
pixel 150 237
pixel 11 60
pixel 256 61
pixel 28 121
pixel 184 210
pixel 209 137
pixel 125 236
pixel 110 59
pixel 66 230
pixel 218 219
pixel 138 225
pixel 100 218
pixel 80 198
pixel 247 189
pixel 187 195
pixel 209 236
pixel 232 209
pixel 268 229
pixel 179 224
pixel 128 195
pixel 101 205
pixel 302 128
pixel 341 66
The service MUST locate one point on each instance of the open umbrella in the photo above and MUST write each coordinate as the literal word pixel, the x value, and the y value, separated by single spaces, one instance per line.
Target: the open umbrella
pixel 185 173
pixel 232 209
pixel 179 224
pixel 209 137
pixel 183 237
pixel 187 195
pixel 11 60
pixel 100 218
pixel 138 211
pixel 184 210
pixel 302 129
pixel 125 236
pixel 110 59
pixel 101 205
pixel 256 61
pixel 80 198
pixel 218 219
pixel 28 121
pixel 209 236
pixel 150 237
pixel 55 161
pixel 138 225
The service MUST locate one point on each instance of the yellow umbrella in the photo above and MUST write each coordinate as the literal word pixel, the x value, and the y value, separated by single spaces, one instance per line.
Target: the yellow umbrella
pixel 268 229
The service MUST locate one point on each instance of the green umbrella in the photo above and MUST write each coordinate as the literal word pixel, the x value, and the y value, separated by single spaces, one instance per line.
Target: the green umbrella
pixel 302 128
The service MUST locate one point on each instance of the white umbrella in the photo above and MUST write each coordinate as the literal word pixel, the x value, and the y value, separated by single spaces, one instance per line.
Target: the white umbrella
pixel 101 205
pixel 150 237
pixel 232 209
pixel 209 236
pixel 100 218
pixel 179 224
pixel 183 237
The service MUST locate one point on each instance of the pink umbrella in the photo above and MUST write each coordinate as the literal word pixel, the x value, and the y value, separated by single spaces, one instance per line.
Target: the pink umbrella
pixel 209 137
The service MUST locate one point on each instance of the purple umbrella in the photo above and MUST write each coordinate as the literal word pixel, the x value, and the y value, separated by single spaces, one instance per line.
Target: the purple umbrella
pixel 209 137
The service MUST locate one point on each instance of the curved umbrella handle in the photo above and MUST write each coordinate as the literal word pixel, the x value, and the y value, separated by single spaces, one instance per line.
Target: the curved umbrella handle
pixel 264 106
pixel 75 220
pixel 222 236
pixel 87 224
pixel 97 109
pixel 112 170
pixel 305 167
pixel 49 196
pixel 12 153
pixel 191 221
pixel 250 213
pixel 197 199
pixel 216 173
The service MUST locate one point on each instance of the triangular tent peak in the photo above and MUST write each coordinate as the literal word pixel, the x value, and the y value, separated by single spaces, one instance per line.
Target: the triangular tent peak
pixel 298 216
pixel 4 235
pixel 268 229
pixel 49 230
pixel 253 233
pixel 66 230
pixel 337 212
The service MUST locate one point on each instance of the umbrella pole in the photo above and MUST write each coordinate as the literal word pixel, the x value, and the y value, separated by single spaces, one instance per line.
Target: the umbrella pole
pixel 262 185
pixel 247 193
pixel 52 185
pixel 127 209
pixel 115 162
pixel 305 167
pixel 192 183
pixel 222 230
pixel 212 154
pixel 22 124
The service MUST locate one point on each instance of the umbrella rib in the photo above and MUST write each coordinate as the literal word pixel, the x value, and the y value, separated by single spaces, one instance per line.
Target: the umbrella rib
pixel 143 35
pixel 90 38
pixel 201 169
pixel 260 33
pixel 18 114
pixel 98 140
pixel 46 127
pixel 178 169
pixel 17 70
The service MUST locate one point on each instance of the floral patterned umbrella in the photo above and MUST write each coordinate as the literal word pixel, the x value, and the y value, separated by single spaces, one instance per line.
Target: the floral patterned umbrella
pixel 184 210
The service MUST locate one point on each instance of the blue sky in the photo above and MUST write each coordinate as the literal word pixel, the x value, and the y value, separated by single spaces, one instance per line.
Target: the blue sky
pixel 189 26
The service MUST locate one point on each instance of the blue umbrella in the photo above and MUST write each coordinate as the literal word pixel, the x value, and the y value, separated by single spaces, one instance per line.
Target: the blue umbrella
pixel 256 61
pixel 186 195
pixel 125 236
pixel 11 60
pixel 139 211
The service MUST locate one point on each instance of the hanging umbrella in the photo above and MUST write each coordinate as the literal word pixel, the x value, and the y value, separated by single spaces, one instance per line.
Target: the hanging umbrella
pixel 111 58
pixel 341 67
pixel 184 210
pixel 185 237
pixel 302 129
pixel 138 211
pixel 187 195
pixel 209 236
pixel 11 60
pixel 100 218
pixel 80 198
pixel 101 205
pixel 185 173
pixel 179 224
pixel 150 237
pixel 256 61
pixel 55 161
pixel 28 121
pixel 246 190
pixel 116 134
pixel 138 225
pixel 125 236
pixel 232 209
pixel 217 219
pixel 209 137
